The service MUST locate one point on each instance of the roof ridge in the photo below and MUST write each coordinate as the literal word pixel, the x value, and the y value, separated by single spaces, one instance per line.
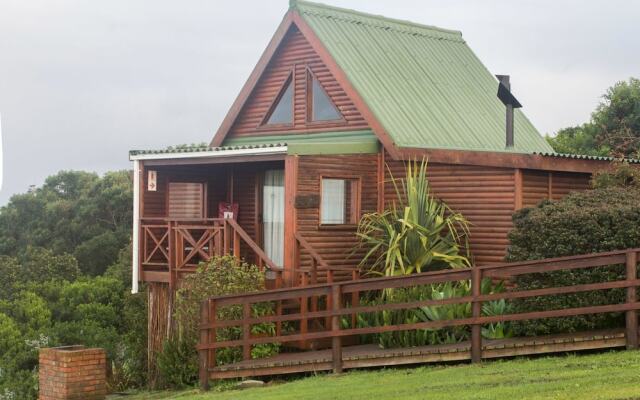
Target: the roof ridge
pixel 294 4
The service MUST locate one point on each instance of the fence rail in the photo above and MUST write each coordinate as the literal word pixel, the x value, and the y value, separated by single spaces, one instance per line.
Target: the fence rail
pixel 340 299
pixel 177 246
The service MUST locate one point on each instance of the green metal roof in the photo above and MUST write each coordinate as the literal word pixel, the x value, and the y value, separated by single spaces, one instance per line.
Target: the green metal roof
pixel 348 142
pixel 586 157
pixel 424 84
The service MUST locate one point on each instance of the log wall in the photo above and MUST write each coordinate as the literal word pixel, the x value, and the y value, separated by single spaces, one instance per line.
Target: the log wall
pixel 484 195
pixel 334 243
pixel 539 185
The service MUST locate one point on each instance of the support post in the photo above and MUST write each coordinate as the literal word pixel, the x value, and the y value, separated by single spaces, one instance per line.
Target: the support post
pixel 631 316
pixel 476 310
pixel 246 331
pixel 355 300
pixel 236 244
pixel 226 239
pixel 336 341
pixel 203 354
pixel 304 308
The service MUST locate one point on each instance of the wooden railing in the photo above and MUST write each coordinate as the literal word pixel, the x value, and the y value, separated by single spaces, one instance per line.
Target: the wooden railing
pixel 177 246
pixel 339 302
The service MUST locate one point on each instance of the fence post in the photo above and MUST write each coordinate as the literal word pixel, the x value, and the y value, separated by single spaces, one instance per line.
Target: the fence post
pixel 476 309
pixel 336 341
pixel 203 354
pixel 631 316
pixel 246 331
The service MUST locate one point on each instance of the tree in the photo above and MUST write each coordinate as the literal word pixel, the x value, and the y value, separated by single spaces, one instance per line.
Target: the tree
pixel 74 212
pixel 614 128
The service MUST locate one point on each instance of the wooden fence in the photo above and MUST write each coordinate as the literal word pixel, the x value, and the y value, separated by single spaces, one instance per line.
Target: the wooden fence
pixel 338 300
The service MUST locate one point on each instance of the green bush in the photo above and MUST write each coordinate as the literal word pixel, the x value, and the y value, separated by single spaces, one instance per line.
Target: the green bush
pixel 423 337
pixel 220 276
pixel 603 219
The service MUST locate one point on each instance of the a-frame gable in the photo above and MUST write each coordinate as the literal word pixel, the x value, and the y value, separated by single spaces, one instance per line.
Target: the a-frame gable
pixel 295 40
pixel 295 59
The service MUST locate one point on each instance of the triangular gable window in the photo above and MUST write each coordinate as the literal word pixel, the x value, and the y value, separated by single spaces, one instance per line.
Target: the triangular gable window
pixel 282 109
pixel 321 108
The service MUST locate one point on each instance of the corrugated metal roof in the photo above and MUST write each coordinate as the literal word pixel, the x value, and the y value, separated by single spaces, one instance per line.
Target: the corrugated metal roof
pixel 347 142
pixel 586 157
pixel 196 149
pixel 424 84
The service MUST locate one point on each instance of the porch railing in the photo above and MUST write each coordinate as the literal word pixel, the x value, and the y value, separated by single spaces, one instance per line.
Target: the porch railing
pixel 336 306
pixel 177 246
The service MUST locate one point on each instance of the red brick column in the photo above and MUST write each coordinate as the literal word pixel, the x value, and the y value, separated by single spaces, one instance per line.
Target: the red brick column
pixel 72 372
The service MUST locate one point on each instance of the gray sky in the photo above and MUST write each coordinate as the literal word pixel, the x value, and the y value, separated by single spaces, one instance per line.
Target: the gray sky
pixel 83 82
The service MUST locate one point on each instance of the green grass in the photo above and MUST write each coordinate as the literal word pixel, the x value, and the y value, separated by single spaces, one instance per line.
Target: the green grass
pixel 613 375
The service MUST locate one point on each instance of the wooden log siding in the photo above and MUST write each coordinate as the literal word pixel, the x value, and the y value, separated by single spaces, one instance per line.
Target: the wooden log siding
pixel 294 55
pixel 539 185
pixel 484 195
pixel 334 243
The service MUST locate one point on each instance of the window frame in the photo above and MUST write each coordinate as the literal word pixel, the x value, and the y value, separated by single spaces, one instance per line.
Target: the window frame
pixel 355 202
pixel 309 77
pixel 290 80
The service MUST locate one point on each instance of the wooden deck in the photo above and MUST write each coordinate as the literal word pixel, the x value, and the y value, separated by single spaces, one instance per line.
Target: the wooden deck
pixel 364 356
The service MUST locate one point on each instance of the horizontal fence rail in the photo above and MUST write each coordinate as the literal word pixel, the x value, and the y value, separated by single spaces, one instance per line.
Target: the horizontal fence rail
pixel 337 302
pixel 178 246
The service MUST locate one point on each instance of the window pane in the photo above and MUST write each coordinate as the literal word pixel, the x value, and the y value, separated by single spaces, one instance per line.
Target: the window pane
pixel 322 107
pixel 333 201
pixel 283 111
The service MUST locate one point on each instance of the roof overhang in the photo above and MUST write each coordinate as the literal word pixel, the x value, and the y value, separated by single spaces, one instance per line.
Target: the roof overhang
pixel 543 162
pixel 210 155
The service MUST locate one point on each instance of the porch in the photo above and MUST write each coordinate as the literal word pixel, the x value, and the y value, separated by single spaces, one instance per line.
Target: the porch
pixel 192 207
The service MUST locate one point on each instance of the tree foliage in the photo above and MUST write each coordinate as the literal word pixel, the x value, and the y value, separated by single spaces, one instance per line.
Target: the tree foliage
pixel 77 213
pixel 614 128
pixel 66 269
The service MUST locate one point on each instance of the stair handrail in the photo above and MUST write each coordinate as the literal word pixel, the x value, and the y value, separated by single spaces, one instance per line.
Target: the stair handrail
pixel 252 245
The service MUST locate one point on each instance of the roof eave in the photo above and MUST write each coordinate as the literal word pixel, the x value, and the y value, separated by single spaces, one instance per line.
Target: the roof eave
pixel 506 160
pixel 213 153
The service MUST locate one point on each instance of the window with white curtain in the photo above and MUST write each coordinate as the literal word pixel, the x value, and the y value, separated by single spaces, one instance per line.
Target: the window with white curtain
pixel 273 215
pixel 340 201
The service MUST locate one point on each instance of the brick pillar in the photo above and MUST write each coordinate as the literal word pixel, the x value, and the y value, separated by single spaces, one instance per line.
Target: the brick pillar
pixel 72 372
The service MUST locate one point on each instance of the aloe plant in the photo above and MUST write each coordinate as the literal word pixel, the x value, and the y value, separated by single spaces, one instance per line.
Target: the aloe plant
pixel 417 233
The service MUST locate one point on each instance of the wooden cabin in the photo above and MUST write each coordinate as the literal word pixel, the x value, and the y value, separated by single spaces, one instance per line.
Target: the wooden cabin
pixel 338 101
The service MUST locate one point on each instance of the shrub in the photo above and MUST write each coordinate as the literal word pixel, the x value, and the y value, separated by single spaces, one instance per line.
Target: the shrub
pixel 220 276
pixel 422 337
pixel 416 234
pixel 604 219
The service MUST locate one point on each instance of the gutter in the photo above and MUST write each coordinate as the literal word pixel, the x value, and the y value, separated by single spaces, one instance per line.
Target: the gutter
pixel 210 153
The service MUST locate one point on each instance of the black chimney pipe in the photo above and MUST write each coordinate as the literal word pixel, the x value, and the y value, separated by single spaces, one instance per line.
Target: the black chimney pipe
pixel 510 102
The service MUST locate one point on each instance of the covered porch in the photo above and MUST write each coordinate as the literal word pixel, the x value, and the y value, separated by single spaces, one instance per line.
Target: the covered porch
pixel 194 205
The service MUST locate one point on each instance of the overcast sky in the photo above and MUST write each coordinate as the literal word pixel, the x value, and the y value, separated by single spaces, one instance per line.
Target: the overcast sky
pixel 83 82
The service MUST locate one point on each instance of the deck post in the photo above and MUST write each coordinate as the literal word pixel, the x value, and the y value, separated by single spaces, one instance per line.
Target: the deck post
pixel 226 239
pixel 336 341
pixel 246 331
pixel 203 354
pixel 631 316
pixel 476 309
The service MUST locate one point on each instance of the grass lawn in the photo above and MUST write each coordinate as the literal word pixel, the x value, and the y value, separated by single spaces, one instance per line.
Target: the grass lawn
pixel 612 375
